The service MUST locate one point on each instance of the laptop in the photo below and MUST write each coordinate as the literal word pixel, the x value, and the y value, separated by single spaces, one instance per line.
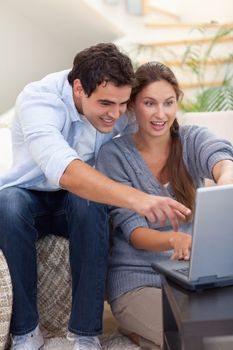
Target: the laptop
pixel 211 260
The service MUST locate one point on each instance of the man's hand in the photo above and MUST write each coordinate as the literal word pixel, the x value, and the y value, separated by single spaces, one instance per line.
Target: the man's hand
pixel 181 243
pixel 156 208
pixel 84 181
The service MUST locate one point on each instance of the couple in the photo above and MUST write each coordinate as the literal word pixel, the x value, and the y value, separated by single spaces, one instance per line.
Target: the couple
pixel 60 124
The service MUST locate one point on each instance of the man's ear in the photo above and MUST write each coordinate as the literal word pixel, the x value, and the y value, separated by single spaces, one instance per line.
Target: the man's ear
pixel 78 88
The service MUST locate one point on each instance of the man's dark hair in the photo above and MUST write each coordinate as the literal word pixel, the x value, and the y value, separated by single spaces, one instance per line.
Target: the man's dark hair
pixel 101 63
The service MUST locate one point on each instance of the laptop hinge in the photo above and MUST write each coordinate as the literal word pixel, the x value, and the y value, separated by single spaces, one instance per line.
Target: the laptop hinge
pixel 207 278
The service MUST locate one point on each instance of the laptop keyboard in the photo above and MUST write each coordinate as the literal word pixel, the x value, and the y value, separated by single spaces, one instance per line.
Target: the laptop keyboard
pixel 184 271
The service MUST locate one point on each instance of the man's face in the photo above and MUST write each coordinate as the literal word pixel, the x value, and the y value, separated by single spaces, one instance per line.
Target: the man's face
pixel 105 105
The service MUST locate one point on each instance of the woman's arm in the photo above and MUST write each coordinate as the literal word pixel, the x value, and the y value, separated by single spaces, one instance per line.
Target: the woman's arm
pixel 202 150
pixel 154 240
pixel 223 172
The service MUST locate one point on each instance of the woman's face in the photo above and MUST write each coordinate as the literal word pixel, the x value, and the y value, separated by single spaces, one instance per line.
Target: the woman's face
pixel 155 108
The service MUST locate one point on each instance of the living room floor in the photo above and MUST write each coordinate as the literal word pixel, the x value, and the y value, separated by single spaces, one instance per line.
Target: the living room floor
pixel 111 339
pixel 112 342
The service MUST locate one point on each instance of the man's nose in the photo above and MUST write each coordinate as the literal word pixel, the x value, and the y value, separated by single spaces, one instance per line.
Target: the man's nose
pixel 114 112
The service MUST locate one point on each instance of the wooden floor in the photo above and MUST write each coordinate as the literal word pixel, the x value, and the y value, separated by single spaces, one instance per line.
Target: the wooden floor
pixel 110 324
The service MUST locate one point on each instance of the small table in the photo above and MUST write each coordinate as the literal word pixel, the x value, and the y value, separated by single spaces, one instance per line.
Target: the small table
pixel 188 316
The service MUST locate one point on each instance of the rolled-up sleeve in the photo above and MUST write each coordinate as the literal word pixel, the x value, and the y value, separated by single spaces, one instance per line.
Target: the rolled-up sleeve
pixel 42 117
pixel 111 162
pixel 202 150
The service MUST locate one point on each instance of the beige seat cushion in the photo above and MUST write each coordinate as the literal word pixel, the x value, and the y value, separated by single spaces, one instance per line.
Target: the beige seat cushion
pixel 54 289
pixel 54 285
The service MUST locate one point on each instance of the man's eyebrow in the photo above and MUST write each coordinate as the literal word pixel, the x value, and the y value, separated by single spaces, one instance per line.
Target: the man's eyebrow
pixel 124 102
pixel 112 102
pixel 106 101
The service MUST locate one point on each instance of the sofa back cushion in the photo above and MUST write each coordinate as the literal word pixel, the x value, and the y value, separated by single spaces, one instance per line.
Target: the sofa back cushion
pixel 220 123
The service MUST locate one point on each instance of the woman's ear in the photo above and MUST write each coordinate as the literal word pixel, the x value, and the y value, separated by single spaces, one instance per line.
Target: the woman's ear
pixel 131 106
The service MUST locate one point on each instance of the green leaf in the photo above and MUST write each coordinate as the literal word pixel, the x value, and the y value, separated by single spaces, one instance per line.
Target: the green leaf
pixel 217 98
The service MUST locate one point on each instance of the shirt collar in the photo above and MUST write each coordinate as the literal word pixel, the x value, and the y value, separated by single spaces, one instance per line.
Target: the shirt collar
pixel 67 95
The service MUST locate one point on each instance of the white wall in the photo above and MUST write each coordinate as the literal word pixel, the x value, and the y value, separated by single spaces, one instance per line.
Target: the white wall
pixel 42 36
pixel 199 10
pixel 207 10
pixel 26 53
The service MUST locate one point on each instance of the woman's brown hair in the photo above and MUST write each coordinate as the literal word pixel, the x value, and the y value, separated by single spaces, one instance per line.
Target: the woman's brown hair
pixel 179 177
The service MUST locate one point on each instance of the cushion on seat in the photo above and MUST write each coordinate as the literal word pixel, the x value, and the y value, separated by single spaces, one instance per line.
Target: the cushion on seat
pixel 54 289
pixel 54 285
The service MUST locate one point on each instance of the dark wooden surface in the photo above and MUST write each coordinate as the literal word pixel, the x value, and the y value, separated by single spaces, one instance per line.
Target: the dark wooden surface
pixel 190 316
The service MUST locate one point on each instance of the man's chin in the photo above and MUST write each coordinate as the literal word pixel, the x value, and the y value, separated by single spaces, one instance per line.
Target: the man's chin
pixel 105 129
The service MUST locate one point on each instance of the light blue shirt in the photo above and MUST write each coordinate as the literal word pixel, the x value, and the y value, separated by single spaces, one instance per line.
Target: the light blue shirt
pixel 48 133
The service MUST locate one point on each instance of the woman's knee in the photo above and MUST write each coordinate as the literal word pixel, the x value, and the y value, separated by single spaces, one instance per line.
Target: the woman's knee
pixel 134 313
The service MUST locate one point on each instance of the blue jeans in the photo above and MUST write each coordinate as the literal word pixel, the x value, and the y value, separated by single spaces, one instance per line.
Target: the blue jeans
pixel 25 217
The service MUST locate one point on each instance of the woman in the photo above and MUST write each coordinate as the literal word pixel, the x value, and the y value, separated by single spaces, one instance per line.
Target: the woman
pixel 164 159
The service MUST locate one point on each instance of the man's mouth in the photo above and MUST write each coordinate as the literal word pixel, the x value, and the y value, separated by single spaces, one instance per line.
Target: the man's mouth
pixel 108 121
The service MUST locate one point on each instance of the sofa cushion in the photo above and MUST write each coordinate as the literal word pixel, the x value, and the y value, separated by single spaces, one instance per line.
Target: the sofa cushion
pixel 6 151
pixel 54 289
pixel 54 285
pixel 220 123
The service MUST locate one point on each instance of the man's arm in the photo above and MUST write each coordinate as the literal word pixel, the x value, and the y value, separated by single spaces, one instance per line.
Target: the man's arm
pixel 85 181
pixel 223 172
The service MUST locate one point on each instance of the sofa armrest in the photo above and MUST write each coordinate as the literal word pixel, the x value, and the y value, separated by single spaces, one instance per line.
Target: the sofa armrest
pixel 6 299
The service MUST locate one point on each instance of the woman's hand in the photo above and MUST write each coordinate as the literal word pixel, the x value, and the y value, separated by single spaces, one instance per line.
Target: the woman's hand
pixel 181 244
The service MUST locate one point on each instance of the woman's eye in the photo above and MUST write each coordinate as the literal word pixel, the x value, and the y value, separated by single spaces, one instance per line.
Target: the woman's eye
pixel 149 103
pixel 169 103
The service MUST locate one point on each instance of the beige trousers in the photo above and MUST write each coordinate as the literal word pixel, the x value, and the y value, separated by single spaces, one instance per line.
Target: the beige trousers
pixel 140 311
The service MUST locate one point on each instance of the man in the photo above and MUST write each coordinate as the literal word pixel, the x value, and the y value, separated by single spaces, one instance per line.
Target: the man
pixel 60 124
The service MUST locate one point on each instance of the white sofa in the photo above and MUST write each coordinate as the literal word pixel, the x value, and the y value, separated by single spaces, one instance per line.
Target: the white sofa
pixel 221 123
pixel 54 282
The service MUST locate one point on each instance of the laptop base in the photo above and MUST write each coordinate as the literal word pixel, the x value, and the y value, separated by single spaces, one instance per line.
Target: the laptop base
pixel 198 285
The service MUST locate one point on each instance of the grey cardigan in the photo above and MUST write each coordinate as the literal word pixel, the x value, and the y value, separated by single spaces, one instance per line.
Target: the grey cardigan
pixel 119 159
